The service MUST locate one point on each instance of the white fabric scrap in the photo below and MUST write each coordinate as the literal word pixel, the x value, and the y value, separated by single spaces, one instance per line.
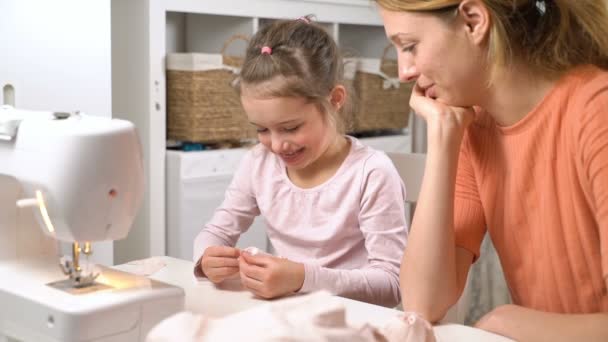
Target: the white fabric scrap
pixel 317 316
pixel 145 267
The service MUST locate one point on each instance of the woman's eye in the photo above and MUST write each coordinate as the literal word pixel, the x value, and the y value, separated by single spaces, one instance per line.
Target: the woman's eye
pixel 262 130
pixel 408 48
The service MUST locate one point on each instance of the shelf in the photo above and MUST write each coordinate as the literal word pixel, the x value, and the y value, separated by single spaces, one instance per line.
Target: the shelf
pixel 362 40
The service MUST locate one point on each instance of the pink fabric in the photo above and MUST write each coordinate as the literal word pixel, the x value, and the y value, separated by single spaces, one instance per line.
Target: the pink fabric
pixel 349 232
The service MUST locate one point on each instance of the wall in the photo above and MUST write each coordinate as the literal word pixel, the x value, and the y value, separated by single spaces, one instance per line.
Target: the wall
pixel 56 56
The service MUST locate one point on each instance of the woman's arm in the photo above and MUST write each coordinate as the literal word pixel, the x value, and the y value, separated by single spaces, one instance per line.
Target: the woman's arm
pixel 523 324
pixel 433 271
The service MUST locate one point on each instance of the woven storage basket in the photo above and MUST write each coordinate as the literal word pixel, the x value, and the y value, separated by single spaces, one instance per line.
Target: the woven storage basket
pixel 202 104
pixel 381 101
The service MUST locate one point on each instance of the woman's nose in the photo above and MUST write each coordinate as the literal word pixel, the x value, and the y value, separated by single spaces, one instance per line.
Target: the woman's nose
pixel 408 73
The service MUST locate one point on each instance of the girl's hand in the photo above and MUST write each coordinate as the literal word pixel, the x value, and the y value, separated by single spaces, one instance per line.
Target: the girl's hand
pixel 268 276
pixel 446 124
pixel 220 263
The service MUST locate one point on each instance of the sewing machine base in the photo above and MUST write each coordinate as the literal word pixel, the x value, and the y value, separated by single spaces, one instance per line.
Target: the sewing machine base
pixel 121 307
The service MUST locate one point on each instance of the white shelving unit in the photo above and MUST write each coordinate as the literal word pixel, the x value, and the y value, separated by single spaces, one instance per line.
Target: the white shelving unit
pixel 144 31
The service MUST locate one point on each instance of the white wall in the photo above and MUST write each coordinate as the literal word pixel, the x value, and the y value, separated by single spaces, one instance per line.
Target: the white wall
pixel 56 55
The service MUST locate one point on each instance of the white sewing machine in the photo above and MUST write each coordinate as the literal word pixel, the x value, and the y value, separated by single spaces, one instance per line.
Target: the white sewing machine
pixel 79 179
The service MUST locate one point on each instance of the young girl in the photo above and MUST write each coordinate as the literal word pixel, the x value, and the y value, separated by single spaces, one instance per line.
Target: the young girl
pixel 515 95
pixel 334 208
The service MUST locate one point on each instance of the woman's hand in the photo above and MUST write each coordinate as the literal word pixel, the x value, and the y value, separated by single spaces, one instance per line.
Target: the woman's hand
pixel 446 124
pixel 268 276
pixel 220 263
pixel 525 324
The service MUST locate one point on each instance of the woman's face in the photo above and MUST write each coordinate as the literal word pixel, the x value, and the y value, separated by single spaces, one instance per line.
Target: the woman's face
pixel 293 128
pixel 439 54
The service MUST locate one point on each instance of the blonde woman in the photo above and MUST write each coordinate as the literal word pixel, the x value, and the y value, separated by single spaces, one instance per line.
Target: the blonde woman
pixel 515 96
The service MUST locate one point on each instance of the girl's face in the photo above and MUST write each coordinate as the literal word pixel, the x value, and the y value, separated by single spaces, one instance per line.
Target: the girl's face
pixel 293 128
pixel 439 54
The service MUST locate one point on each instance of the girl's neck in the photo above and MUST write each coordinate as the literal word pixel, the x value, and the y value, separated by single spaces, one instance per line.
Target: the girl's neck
pixel 324 167
pixel 516 93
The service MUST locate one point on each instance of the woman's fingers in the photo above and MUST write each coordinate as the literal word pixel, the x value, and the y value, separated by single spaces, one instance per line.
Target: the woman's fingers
pixel 423 105
pixel 445 124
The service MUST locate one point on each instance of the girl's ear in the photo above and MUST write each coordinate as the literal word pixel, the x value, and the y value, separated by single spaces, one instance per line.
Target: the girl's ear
pixel 476 19
pixel 337 97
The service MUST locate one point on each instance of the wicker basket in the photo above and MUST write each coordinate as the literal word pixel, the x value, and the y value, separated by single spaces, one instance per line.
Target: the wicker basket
pixel 381 101
pixel 202 104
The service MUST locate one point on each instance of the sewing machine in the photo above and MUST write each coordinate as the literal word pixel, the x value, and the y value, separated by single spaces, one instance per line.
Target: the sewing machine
pixel 78 179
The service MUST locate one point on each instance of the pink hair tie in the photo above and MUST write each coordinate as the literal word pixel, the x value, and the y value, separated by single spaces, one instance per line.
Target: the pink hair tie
pixel 266 50
pixel 304 19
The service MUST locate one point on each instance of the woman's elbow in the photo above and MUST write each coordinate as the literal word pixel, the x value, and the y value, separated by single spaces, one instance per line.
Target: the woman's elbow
pixel 432 310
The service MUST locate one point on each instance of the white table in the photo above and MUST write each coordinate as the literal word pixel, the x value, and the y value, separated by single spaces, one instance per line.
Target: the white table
pixel 205 298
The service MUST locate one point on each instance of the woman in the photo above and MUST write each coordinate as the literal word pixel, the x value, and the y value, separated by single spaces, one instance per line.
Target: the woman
pixel 515 95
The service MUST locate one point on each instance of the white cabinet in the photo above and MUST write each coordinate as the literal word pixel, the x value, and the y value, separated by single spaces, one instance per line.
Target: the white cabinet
pixel 144 31
pixel 196 183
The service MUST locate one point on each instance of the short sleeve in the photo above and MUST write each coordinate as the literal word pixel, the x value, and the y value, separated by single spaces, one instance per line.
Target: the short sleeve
pixel 469 220
pixel 593 149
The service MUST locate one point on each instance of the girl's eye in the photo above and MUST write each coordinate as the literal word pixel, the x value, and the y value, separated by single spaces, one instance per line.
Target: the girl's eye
pixel 291 129
pixel 262 130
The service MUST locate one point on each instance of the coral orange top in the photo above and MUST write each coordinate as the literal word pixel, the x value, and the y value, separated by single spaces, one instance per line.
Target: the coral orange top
pixel 540 188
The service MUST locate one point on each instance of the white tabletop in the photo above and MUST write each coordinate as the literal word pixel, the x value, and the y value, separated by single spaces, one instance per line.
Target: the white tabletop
pixel 203 297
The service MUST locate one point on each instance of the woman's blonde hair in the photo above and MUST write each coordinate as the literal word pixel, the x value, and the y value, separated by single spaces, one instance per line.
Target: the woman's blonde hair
pixel 551 36
pixel 295 58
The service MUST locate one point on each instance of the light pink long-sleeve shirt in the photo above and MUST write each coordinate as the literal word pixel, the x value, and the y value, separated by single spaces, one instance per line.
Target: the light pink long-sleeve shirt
pixel 349 232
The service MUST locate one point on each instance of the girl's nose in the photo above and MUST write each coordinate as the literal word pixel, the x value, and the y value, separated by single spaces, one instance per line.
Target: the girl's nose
pixel 279 144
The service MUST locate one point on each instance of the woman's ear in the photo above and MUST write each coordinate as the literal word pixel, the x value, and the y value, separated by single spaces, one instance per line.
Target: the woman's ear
pixel 337 97
pixel 476 19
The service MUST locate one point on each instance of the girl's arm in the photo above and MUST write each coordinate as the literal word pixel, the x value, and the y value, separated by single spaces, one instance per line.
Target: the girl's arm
pixel 234 216
pixel 269 276
pixel 383 225
pixel 375 284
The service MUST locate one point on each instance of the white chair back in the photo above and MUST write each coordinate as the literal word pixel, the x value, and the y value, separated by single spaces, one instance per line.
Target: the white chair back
pixel 411 169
